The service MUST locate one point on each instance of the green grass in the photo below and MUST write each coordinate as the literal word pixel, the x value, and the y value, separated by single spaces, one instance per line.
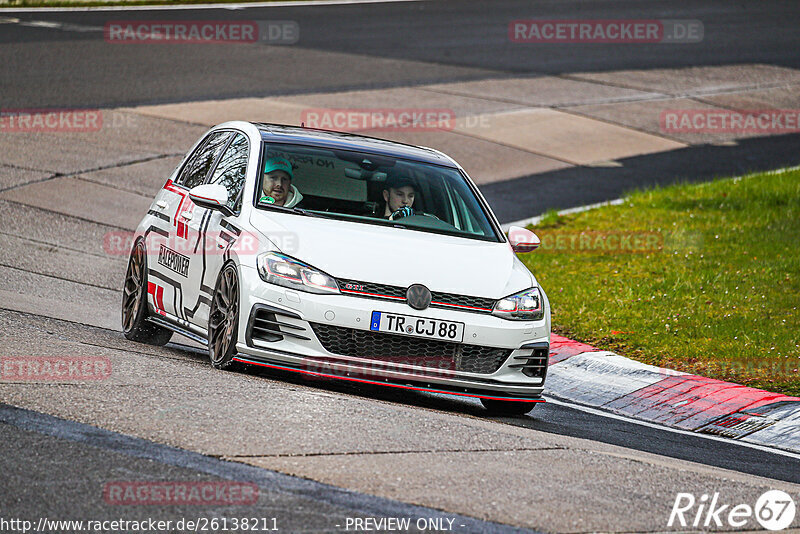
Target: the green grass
pixel 549 218
pixel 719 294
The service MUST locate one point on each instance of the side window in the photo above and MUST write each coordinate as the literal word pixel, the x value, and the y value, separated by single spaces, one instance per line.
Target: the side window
pixel 196 169
pixel 232 168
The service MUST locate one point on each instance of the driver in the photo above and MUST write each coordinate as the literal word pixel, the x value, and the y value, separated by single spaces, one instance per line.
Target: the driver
pixel 277 185
pixel 399 194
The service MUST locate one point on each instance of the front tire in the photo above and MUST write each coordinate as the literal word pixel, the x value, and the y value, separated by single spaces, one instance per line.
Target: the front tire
pixel 134 303
pixel 507 408
pixel 223 320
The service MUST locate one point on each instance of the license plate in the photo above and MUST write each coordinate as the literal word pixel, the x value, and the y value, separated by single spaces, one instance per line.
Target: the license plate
pixel 393 323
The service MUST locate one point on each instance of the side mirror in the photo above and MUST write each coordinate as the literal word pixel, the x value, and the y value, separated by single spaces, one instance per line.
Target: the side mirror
pixel 211 196
pixel 522 240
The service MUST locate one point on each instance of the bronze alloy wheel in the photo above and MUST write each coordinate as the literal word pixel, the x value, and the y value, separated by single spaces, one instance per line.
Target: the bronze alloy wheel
pixel 134 302
pixel 223 320
pixel 134 291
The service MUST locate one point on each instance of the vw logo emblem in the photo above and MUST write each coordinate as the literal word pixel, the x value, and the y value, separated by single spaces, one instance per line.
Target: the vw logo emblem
pixel 418 297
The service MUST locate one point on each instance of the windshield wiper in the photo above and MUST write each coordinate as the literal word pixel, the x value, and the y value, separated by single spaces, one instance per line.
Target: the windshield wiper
pixel 308 213
pixel 301 211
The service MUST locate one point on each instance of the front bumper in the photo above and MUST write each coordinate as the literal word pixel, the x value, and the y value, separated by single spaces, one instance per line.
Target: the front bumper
pixel 289 329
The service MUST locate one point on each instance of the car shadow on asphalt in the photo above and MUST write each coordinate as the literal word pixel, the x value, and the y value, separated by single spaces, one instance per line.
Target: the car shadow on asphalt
pixel 562 420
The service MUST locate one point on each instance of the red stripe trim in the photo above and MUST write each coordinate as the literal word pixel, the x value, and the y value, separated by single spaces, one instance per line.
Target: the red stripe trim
pixel 372 294
pixel 374 382
pixel 460 306
pixel 182 194
pixel 170 185
pixel 206 198
pixel 174 189
pixel 178 211
pixel 403 298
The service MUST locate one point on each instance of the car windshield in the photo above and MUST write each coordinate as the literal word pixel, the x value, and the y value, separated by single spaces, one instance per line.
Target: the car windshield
pixel 373 189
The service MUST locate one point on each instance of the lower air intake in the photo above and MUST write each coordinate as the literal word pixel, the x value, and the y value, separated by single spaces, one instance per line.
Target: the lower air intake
pixel 410 350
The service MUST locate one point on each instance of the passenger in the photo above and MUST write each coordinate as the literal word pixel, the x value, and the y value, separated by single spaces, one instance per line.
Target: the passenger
pixel 277 185
pixel 399 194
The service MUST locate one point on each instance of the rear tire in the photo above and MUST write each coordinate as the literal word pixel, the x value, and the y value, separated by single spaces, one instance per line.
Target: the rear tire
pixel 134 303
pixel 223 320
pixel 507 408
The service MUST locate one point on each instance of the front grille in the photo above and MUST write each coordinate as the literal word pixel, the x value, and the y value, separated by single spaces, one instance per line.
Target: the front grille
pixel 371 289
pixel 438 300
pixel 462 300
pixel 419 352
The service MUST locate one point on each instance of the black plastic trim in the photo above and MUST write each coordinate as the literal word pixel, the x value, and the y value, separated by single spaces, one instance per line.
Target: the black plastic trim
pixel 539 359
pixel 248 338
pixel 162 216
pixel 404 382
pixel 537 345
pixel 160 321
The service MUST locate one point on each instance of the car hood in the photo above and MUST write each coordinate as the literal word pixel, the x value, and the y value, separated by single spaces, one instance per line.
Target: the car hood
pixel 396 256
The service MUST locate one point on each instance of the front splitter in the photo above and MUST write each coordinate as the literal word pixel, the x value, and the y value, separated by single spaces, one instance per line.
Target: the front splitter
pixel 411 386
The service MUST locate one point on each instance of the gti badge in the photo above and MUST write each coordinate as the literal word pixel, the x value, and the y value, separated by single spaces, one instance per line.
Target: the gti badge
pixel 418 297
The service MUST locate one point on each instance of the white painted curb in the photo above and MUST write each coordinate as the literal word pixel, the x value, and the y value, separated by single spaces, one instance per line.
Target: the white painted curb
pixel 612 383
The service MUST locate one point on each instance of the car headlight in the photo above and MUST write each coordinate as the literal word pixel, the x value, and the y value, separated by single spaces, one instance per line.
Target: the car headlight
pixel 286 271
pixel 526 305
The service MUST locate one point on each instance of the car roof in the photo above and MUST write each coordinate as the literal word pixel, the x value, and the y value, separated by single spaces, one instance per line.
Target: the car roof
pixel 281 133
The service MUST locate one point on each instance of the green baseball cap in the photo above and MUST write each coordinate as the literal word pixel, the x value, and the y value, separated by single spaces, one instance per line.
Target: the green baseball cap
pixel 278 164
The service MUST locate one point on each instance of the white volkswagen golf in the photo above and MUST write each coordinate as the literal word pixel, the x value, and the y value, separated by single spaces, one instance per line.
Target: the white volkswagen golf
pixel 339 256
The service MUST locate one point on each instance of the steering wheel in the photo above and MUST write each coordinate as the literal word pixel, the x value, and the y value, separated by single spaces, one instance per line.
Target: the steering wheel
pixel 405 211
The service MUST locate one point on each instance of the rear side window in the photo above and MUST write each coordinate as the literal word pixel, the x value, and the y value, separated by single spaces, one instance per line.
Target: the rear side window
pixel 196 169
pixel 232 169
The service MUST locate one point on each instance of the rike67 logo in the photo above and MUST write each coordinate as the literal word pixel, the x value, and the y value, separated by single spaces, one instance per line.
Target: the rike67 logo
pixel 774 510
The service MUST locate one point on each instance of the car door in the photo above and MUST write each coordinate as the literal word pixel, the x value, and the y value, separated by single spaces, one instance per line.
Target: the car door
pixel 168 261
pixel 212 233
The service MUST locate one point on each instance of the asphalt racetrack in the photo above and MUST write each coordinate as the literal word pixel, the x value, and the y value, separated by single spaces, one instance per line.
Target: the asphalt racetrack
pixel 323 453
